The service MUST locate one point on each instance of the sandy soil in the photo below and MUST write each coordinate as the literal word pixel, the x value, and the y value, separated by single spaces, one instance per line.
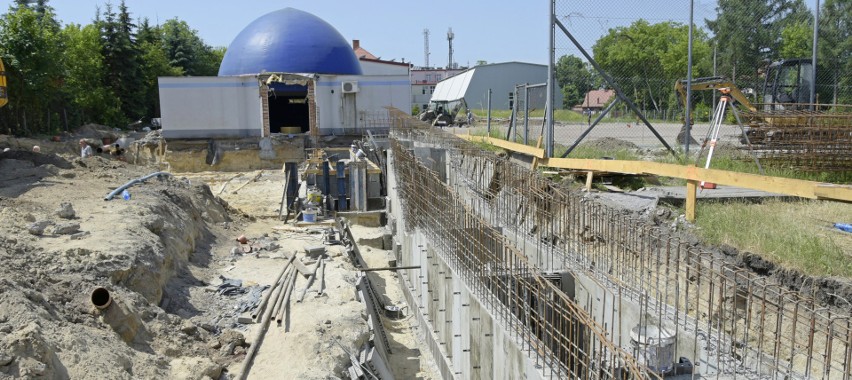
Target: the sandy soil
pixel 307 345
pixel 161 255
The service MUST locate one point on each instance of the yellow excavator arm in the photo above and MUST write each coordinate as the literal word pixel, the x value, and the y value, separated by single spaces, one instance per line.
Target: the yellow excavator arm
pixel 713 83
pixel 4 95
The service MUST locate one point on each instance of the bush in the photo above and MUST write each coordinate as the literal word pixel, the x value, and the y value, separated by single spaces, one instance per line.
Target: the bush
pixel 415 110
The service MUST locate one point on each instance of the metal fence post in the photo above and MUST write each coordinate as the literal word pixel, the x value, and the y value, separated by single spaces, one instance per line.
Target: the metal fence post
pixel 551 53
pixel 489 112
pixel 527 113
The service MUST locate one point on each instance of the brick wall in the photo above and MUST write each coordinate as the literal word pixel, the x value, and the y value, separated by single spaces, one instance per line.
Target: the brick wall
pixel 313 113
pixel 264 101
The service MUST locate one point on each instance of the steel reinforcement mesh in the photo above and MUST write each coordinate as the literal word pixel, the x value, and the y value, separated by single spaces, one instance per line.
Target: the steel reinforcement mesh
pixel 804 140
pixel 505 227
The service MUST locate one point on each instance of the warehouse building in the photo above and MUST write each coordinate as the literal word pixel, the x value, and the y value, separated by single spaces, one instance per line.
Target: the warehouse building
pixel 473 84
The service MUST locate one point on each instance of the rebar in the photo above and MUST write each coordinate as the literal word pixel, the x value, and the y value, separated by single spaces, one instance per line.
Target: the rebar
pixel 503 227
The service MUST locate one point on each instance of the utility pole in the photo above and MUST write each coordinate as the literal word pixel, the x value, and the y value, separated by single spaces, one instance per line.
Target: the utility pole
pixel 551 53
pixel 426 45
pixel 687 119
pixel 450 37
pixel 814 56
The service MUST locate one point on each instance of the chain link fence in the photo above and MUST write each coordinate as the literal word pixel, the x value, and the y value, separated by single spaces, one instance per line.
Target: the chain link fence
pixel 617 67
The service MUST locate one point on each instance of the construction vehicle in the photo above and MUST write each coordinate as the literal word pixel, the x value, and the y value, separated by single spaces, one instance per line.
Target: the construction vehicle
pixel 786 128
pixel 4 94
pixel 786 86
pixel 443 113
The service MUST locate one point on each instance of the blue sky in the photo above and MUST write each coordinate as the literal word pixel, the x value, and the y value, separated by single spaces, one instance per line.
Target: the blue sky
pixel 494 31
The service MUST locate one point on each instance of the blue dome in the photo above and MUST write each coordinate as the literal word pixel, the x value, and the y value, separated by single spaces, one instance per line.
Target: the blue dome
pixel 289 41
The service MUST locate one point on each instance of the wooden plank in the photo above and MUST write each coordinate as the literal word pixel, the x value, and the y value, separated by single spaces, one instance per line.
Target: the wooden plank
pixel 691 190
pixel 589 176
pixel 836 192
pixel 778 185
pixel 535 159
pixel 515 147
pixel 786 186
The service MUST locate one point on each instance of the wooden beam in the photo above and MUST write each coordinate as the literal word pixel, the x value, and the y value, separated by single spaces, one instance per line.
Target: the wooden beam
pixel 515 147
pixel 589 176
pixel 836 192
pixel 691 190
pixel 778 185
pixel 535 159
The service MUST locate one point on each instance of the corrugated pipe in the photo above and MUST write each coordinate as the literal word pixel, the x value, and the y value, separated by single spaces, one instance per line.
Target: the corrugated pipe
pixel 133 182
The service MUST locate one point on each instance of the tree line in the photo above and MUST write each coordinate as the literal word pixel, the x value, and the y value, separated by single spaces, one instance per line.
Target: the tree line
pixel 105 72
pixel 646 59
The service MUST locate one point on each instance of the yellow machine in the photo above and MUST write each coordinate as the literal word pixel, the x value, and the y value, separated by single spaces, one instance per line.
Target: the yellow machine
pixel 714 83
pixel 786 128
pixel 4 95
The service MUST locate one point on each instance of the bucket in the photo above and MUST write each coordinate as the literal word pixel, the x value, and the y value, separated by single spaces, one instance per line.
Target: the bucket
pixel 309 215
pixel 655 346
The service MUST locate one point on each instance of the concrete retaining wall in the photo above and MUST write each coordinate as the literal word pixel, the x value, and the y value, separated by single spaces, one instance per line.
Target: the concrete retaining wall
pixel 459 329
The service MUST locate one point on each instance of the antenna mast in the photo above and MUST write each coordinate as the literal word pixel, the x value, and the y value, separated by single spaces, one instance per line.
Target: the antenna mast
pixel 426 45
pixel 450 37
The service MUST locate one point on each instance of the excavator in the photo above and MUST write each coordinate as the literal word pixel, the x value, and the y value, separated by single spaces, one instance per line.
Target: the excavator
pixel 785 125
pixel 786 86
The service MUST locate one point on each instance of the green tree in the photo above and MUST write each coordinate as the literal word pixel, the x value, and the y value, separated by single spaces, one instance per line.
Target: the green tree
pixel 646 59
pixel 32 47
pixel 748 33
pixel 796 40
pixel 575 79
pixel 85 76
pixel 835 48
pixel 122 61
pixel 186 50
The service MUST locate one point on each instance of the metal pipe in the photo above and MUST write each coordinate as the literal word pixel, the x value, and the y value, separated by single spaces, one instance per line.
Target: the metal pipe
pixel 310 281
pixel 276 303
pixel 489 112
pixel 255 343
pixel 688 118
pixel 284 299
pixel 814 56
pixel 387 268
pixel 265 299
pixel 551 54
pixel 133 182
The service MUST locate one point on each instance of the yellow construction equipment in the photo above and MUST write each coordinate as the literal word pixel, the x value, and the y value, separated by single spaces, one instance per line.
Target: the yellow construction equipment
pixel 786 128
pixel 4 95
pixel 713 83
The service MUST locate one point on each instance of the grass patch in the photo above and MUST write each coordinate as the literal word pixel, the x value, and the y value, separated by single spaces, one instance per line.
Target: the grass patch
pixel 582 151
pixel 561 115
pixel 796 235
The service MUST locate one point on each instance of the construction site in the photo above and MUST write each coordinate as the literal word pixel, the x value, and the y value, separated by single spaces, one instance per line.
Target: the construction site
pixel 291 219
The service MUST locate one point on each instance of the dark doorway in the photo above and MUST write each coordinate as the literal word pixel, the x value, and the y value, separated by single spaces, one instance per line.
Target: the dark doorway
pixel 288 108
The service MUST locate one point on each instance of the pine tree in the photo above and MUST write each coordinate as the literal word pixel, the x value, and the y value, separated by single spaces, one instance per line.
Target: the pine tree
pixel 122 60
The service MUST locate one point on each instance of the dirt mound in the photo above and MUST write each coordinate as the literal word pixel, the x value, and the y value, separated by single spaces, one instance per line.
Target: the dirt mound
pixel 53 259
pixel 609 143
pixel 37 159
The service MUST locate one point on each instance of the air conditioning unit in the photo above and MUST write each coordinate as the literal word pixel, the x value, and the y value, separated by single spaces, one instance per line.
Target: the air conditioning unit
pixel 349 87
